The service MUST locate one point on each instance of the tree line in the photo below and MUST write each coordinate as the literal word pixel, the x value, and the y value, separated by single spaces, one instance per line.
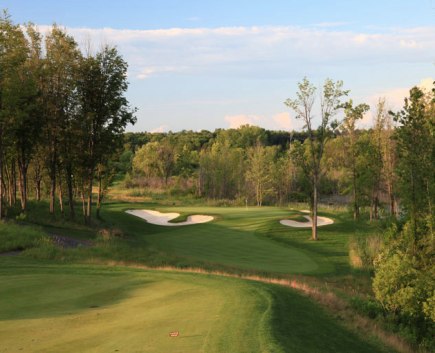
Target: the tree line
pixel 62 116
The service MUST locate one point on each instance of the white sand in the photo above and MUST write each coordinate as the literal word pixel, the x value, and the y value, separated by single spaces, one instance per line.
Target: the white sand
pixel 162 219
pixel 321 221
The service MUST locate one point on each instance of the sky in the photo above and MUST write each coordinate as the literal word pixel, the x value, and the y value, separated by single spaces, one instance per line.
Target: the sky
pixel 198 64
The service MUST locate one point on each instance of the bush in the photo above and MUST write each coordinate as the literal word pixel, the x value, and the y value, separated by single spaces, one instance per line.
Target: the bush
pixel 367 307
pixel 404 283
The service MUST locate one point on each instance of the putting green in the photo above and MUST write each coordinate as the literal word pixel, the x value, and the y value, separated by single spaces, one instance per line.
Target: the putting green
pixel 61 308
pixel 234 239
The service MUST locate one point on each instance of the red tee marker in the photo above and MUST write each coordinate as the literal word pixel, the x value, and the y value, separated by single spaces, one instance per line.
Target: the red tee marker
pixel 174 334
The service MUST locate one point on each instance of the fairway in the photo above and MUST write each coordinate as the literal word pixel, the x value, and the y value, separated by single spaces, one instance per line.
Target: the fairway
pixel 236 238
pixel 61 308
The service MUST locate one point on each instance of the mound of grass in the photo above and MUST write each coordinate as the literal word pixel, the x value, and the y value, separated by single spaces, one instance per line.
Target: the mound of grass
pixel 68 308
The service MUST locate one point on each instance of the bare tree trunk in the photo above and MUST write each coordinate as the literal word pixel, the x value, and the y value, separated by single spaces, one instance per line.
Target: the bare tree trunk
pixel 355 200
pixel 38 179
pixel 392 200
pixel 69 182
pixel 89 201
pixel 100 195
pixel 23 185
pixel 52 193
pixel 314 216
pixel 60 195
pixel 1 172
pixel 13 183
pixel 82 194
pixel 7 187
pixel 52 182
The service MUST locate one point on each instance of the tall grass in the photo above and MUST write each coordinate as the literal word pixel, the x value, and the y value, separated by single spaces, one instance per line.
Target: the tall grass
pixel 17 237
pixel 363 250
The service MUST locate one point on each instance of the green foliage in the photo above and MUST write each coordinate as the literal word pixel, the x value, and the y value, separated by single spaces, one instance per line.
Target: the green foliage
pixel 221 172
pixel 416 151
pixel 404 282
pixel 260 160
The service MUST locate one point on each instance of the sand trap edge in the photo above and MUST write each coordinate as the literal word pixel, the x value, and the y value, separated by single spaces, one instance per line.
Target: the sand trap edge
pixel 162 219
pixel 321 221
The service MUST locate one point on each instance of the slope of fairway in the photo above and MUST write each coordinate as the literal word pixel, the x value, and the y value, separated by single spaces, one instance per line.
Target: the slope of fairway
pixel 92 309
pixel 232 240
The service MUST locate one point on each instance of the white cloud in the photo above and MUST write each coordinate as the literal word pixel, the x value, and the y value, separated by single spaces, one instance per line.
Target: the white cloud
pixel 161 128
pixel 254 51
pixel 427 84
pixel 279 121
pixel 151 71
pixel 283 121
pixel 395 96
pixel 235 121
pixel 394 100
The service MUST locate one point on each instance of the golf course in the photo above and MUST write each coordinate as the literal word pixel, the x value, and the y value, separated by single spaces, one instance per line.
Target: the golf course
pixel 217 177
pixel 106 296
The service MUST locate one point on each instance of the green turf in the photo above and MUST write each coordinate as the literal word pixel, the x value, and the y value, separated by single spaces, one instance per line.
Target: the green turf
pixel 239 238
pixel 64 308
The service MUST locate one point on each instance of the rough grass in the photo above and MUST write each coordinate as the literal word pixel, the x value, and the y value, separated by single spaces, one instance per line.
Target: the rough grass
pixel 78 306
pixel 17 237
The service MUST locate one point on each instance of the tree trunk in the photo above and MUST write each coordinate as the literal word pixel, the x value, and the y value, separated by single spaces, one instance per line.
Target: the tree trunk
pixel 23 185
pixel 1 173
pixel 393 210
pixel 82 194
pixel 355 201
pixel 13 184
pixel 38 179
pixel 69 182
pixel 314 216
pixel 100 195
pixel 52 182
pixel 60 196
pixel 52 193
pixel 8 186
pixel 89 202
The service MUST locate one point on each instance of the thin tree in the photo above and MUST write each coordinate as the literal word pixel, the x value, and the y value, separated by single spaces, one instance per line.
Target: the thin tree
pixel 104 112
pixel 259 167
pixel 352 115
pixel 60 65
pixel 317 137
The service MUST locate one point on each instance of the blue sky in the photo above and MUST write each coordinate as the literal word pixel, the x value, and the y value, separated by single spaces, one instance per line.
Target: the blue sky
pixel 216 64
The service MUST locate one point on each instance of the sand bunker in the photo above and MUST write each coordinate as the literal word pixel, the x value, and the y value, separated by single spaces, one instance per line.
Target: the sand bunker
pixel 162 219
pixel 321 221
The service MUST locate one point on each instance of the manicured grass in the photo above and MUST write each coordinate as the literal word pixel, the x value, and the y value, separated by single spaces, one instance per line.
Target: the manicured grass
pixel 234 239
pixel 65 308
pixel 244 238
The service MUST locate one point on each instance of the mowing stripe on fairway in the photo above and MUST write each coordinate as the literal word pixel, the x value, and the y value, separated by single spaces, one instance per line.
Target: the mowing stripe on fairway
pixel 93 309
pixel 234 240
